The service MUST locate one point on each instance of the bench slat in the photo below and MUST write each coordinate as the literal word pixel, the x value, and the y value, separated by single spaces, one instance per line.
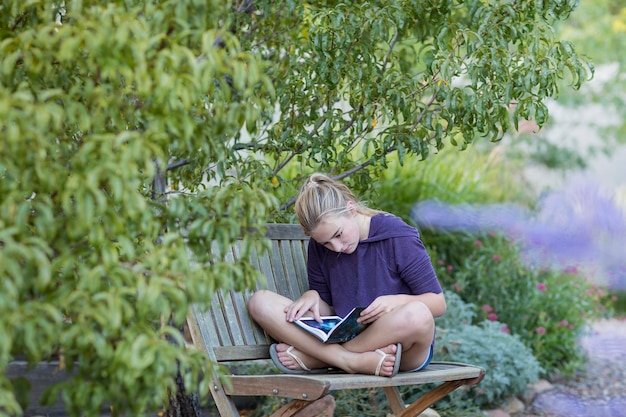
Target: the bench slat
pixel 282 231
pixel 289 265
pixel 286 386
pixel 317 385
pixel 218 316
pixel 278 270
pixel 299 251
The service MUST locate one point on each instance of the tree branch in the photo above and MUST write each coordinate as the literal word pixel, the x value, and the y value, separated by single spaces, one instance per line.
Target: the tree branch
pixel 341 176
pixel 431 100
pixel 177 164
pixel 391 46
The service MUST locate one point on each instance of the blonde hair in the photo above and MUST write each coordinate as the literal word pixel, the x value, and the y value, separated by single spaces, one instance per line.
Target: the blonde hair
pixel 321 195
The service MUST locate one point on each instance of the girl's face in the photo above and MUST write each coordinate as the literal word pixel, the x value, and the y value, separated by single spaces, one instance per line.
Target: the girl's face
pixel 339 233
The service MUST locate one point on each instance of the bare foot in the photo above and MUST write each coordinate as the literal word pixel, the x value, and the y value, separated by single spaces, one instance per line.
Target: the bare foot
pixel 380 362
pixel 296 360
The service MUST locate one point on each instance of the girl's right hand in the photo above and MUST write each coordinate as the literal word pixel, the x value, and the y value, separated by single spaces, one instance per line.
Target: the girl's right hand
pixel 309 301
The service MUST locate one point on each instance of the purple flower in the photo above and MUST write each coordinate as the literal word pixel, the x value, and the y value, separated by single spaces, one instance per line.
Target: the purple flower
pixel 581 224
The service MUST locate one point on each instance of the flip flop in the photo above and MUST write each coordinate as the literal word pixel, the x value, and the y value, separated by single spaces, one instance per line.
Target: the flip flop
pixel 396 365
pixel 383 355
pixel 305 369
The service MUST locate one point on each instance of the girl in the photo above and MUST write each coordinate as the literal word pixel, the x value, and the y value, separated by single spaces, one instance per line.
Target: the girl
pixel 356 257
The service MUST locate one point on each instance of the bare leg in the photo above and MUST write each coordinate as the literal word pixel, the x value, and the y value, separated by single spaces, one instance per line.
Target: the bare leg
pixel 411 324
pixel 365 363
pixel 267 309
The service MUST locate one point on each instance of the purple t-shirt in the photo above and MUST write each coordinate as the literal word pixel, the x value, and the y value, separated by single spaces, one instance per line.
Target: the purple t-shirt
pixel 392 260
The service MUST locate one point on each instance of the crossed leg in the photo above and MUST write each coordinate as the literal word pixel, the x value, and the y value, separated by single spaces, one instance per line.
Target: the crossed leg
pixel 411 325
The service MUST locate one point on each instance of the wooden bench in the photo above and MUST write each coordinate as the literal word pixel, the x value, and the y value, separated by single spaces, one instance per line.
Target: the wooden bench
pixel 227 334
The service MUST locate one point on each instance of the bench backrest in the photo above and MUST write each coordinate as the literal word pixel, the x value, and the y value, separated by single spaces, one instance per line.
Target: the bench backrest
pixel 226 329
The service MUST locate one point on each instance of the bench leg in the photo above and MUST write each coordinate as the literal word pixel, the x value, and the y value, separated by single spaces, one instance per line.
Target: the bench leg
pixel 322 407
pixel 431 397
pixel 394 399
pixel 225 404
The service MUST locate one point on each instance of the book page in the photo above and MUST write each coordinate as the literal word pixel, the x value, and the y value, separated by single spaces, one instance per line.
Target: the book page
pixel 326 325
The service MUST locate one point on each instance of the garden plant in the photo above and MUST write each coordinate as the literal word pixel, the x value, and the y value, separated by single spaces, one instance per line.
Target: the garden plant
pixel 139 140
pixel 521 323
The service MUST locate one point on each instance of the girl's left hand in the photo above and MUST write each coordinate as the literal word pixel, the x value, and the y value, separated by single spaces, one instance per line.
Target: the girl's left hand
pixel 379 307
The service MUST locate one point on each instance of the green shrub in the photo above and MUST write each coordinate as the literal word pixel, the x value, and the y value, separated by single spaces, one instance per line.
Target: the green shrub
pixel 509 363
pixel 476 176
pixel 619 299
pixel 458 313
pixel 548 309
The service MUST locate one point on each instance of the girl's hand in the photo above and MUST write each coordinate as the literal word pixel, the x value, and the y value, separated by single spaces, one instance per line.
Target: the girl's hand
pixel 379 307
pixel 309 301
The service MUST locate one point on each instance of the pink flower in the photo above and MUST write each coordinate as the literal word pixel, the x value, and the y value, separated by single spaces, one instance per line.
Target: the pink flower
pixel 492 316
pixel 564 323
pixel 496 258
pixel 541 330
pixel 457 287
pixel 478 243
pixel 449 267
pixel 571 270
pixel 441 262
pixel 541 286
pixel 505 329
pixel 487 308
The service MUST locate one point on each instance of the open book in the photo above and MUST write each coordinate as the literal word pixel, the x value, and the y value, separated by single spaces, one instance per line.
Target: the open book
pixel 334 329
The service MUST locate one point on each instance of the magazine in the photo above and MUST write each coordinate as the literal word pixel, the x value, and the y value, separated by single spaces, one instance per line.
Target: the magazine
pixel 334 329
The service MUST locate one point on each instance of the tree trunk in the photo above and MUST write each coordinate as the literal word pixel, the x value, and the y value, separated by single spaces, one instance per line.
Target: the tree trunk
pixel 180 403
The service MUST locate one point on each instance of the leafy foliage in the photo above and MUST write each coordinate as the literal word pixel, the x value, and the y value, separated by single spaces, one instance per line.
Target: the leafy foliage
pixel 548 309
pixel 597 29
pixel 458 312
pixel 510 363
pixel 415 74
pixel 94 110
pixel 477 175
pixel 140 139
